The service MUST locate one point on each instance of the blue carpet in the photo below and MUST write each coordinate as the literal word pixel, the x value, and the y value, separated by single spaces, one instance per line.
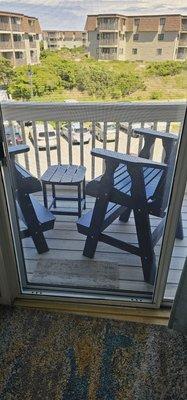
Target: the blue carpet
pixel 51 356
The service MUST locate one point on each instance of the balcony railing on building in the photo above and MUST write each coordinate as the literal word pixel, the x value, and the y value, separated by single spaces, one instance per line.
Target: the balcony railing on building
pixel 4 26
pixel 16 27
pixel 32 44
pixel 183 42
pixel 19 44
pixel 108 26
pixel 5 45
pixel 107 56
pixel 108 42
pixel 184 26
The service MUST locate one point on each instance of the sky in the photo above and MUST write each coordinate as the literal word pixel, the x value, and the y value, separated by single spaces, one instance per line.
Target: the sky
pixel 71 14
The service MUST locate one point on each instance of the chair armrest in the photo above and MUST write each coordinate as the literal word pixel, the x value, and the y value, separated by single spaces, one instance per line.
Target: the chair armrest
pixel 155 134
pixel 120 158
pixel 21 148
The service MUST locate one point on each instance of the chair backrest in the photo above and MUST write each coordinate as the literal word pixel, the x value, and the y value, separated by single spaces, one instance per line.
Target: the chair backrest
pixel 161 194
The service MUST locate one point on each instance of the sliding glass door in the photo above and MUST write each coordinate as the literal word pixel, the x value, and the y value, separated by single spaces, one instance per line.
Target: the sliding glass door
pixel 146 142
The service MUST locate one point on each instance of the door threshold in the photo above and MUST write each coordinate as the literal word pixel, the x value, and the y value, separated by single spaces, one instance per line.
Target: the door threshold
pixel 133 314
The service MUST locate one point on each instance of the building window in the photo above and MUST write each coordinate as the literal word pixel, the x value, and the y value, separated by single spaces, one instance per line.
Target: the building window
pixel 136 21
pixel 160 36
pixel 134 51
pixel 159 52
pixel 98 36
pixel 17 38
pixel 162 21
pixel 135 37
pixel 18 55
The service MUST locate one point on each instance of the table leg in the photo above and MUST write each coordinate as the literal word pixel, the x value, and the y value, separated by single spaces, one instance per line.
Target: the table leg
pixel 54 195
pixel 79 200
pixel 84 193
pixel 44 194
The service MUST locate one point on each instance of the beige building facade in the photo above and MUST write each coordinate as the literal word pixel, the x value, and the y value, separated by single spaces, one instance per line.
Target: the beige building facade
pixel 137 38
pixel 56 40
pixel 19 38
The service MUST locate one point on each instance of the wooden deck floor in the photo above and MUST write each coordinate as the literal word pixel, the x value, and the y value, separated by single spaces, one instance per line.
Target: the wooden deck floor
pixel 124 269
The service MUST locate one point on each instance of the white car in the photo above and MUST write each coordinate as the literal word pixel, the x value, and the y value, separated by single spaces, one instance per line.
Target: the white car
pixel 111 131
pixel 40 131
pixel 76 133
pixel 124 127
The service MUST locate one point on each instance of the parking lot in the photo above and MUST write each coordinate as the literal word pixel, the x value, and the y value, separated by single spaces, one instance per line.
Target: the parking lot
pixel 64 145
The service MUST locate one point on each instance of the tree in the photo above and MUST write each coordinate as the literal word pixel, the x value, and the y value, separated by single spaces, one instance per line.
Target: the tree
pixel 6 71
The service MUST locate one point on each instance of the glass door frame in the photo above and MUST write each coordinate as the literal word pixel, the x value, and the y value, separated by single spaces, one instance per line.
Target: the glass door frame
pixel 15 281
pixel 174 208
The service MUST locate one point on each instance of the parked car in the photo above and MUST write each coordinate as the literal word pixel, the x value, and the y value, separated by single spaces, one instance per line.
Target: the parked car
pixel 70 101
pixel 40 131
pixel 111 131
pixel 124 127
pixel 76 133
pixel 13 133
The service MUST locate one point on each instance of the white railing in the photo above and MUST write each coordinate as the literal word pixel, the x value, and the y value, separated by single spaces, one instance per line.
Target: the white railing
pixel 165 116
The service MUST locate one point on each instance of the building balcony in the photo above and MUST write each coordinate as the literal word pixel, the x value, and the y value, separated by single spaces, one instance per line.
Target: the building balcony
pixel 108 42
pixel 6 45
pixel 184 27
pixel 108 56
pixel 19 44
pixel 108 27
pixel 64 264
pixel 183 42
pixel 32 44
pixel 16 27
pixel 5 26
pixel 20 61
pixel 32 29
pixel 182 53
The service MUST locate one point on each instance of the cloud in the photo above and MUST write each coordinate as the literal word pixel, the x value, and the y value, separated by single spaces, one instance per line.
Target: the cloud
pixel 71 14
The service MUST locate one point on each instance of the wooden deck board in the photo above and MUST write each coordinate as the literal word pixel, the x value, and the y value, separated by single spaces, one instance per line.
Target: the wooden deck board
pixel 65 243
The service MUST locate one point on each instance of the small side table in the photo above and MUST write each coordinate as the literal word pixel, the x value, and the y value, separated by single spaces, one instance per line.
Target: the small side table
pixel 65 175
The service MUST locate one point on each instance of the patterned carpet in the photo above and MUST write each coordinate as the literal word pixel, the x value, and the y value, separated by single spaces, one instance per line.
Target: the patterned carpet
pixel 50 356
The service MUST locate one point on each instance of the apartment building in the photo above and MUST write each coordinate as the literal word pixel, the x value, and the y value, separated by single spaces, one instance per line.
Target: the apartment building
pixel 140 37
pixel 55 40
pixel 19 38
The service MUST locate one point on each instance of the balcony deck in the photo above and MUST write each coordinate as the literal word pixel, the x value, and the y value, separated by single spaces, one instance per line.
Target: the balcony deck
pixel 66 246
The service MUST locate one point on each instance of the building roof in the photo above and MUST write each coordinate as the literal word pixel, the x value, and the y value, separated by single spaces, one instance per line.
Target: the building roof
pixel 24 21
pixel 148 23
pixel 12 14
pixel 91 23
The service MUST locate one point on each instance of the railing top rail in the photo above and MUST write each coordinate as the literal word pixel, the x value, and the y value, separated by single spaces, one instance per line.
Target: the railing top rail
pixel 83 111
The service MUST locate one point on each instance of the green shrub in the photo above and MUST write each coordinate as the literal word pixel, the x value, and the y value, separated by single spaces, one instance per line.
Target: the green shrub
pixel 129 83
pixel 156 95
pixel 164 68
